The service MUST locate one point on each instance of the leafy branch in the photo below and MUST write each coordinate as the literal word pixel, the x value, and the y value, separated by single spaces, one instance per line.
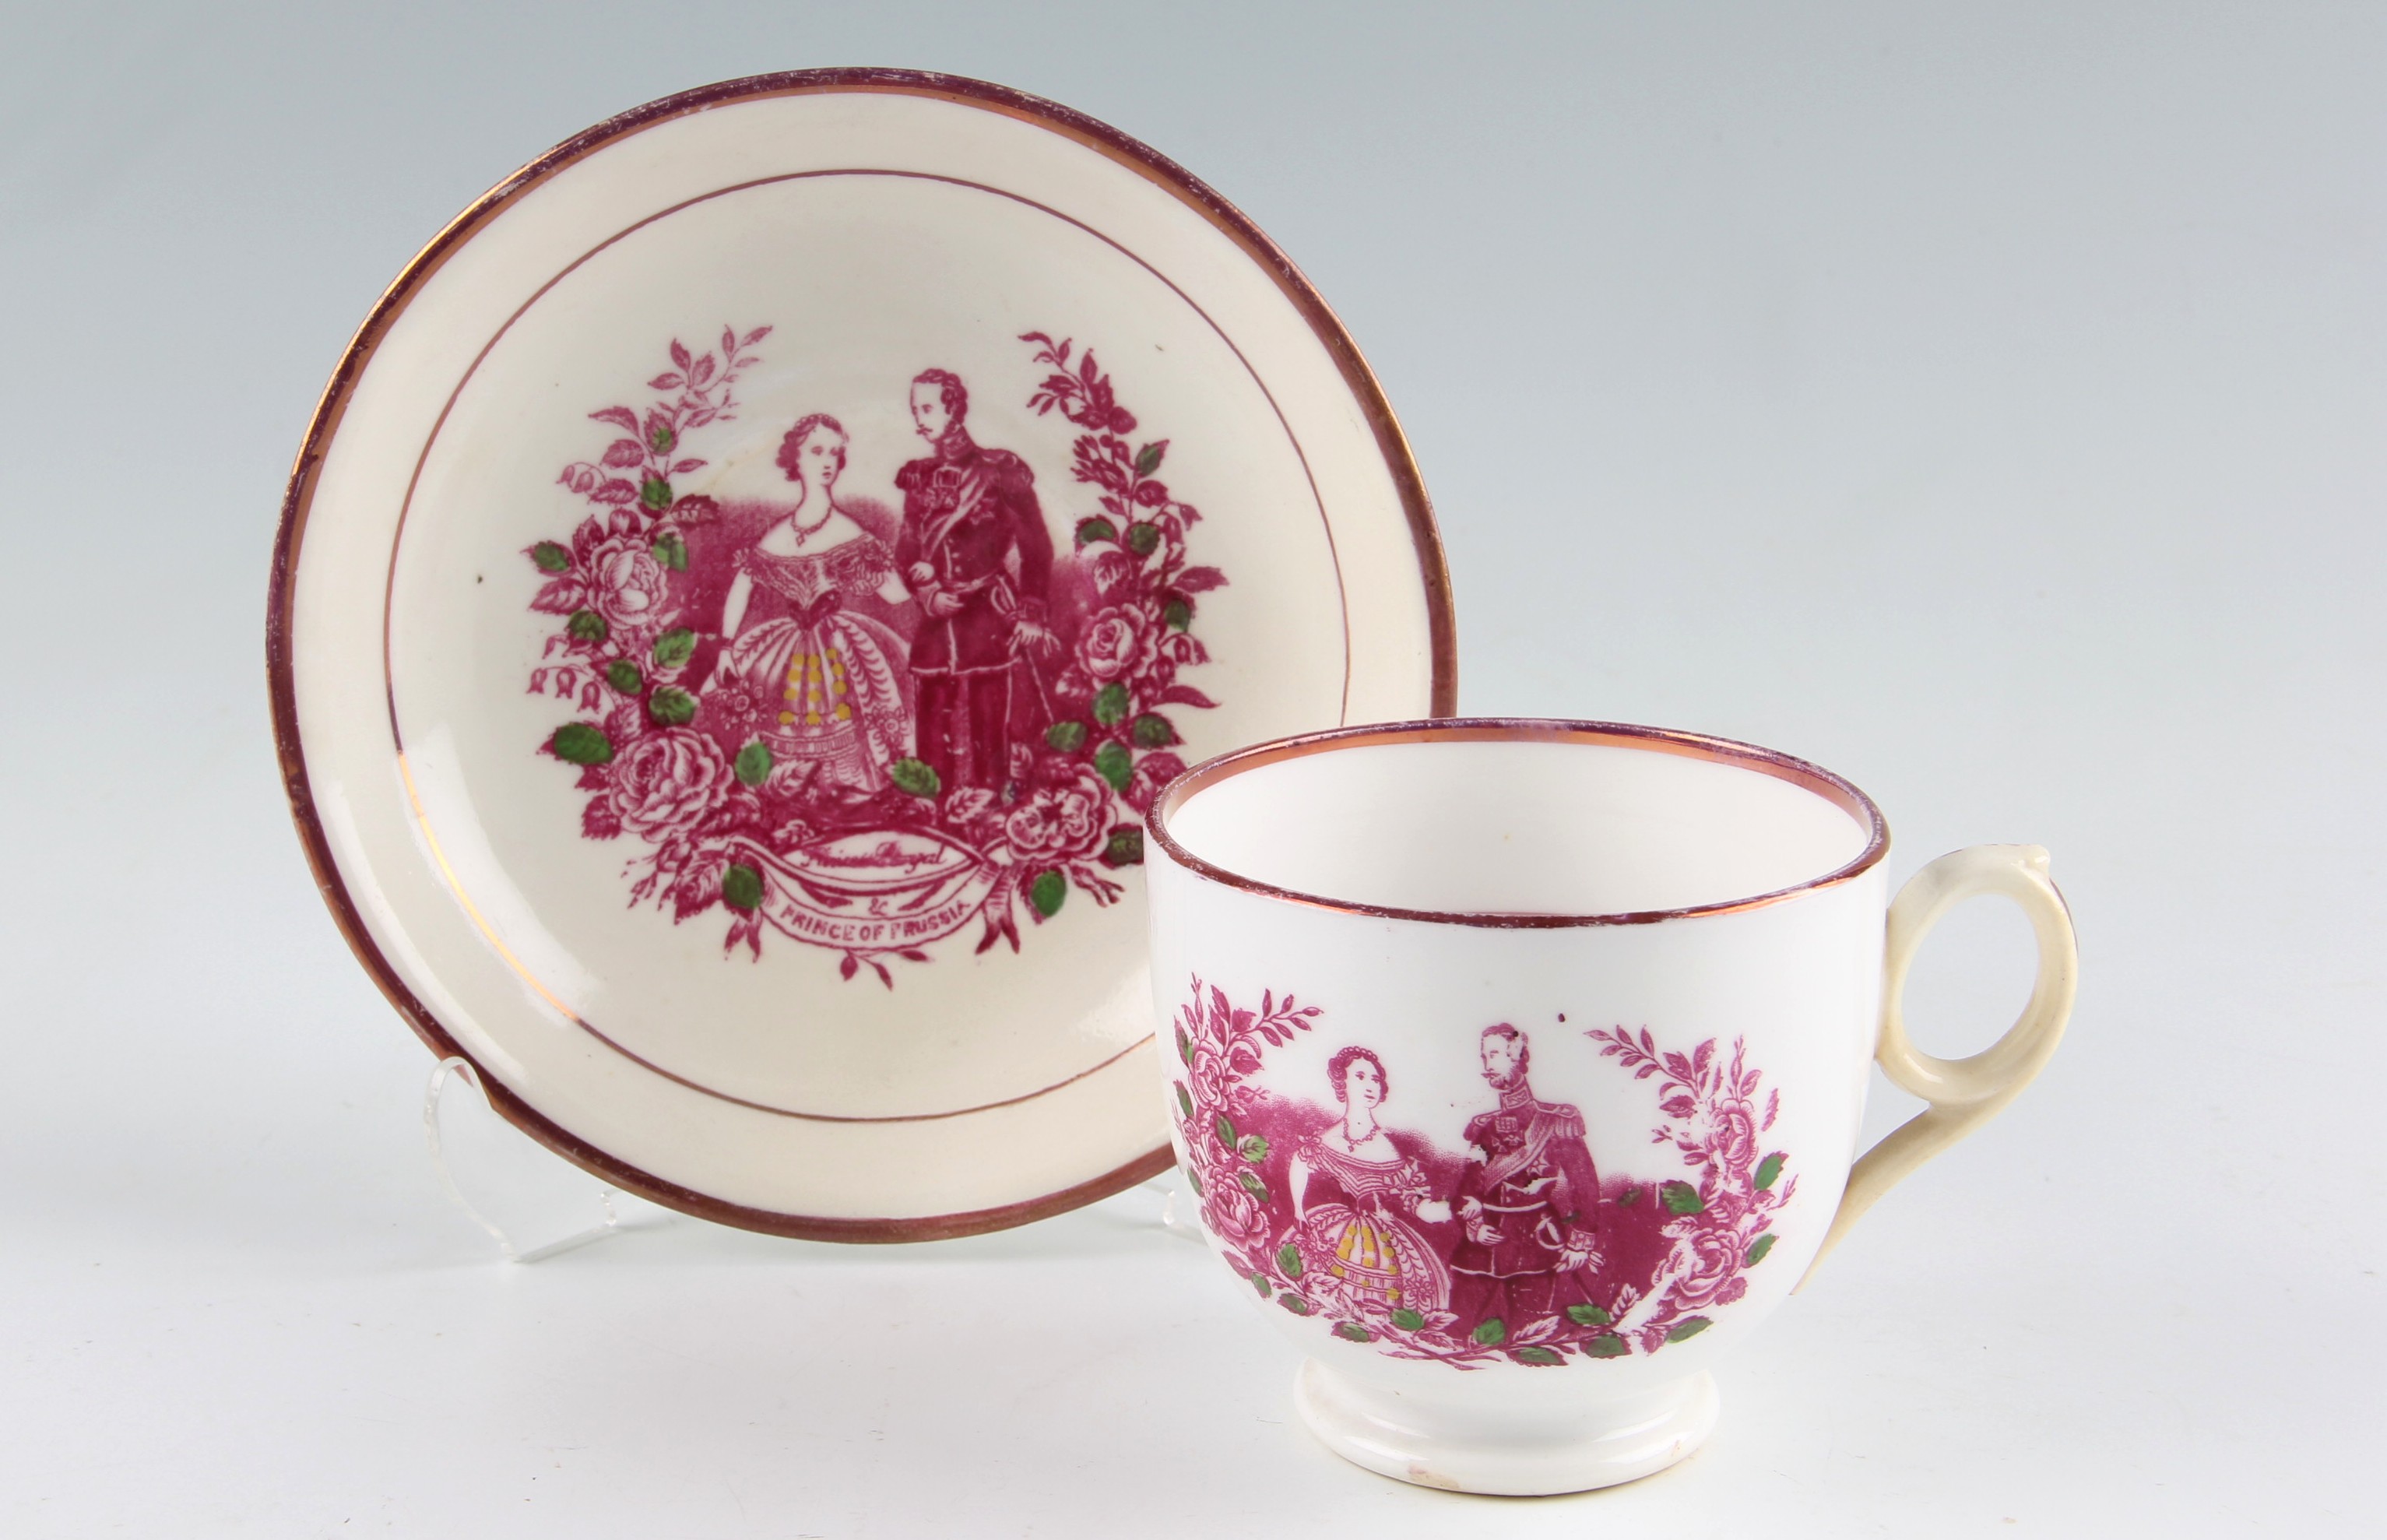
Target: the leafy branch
pixel 638 467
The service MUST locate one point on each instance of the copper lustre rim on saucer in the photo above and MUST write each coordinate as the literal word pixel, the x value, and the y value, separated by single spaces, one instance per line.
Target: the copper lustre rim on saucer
pixel 833 768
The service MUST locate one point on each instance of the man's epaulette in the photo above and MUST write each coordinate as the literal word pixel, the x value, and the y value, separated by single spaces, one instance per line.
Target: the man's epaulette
pixel 1569 1121
pixel 1002 462
pixel 912 473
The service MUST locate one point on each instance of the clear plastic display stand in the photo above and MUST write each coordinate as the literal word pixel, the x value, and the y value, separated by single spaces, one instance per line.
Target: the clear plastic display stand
pixel 535 1205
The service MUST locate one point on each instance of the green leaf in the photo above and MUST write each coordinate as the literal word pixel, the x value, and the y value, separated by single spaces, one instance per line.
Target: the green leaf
pixel 1252 1147
pixel 1178 614
pixel 741 886
pixel 1535 1355
pixel 1185 1100
pixel 1184 1049
pixel 1680 1197
pixel 1090 530
pixel 1351 1330
pixel 1067 737
pixel 1259 1281
pixel 1153 731
pixel 1492 1332
pixel 674 646
pixel 1144 539
pixel 1588 1315
pixel 1147 460
pixel 655 493
pixel 622 675
pixel 1758 1247
pixel 917 776
pixel 578 743
pixel 1110 705
pixel 550 556
pixel 753 765
pixel 672 551
pixel 1632 1196
pixel 1126 847
pixel 1294 1303
pixel 1225 1130
pixel 1193 1177
pixel 585 626
pixel 1408 1320
pixel 1691 1327
pixel 1253 1185
pixel 1114 764
pixel 672 706
pixel 663 438
pixel 1607 1346
pixel 1047 891
pixel 1288 1259
pixel 1769 1171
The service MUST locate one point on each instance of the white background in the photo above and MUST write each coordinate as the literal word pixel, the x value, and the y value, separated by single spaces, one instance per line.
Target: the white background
pixel 1989 403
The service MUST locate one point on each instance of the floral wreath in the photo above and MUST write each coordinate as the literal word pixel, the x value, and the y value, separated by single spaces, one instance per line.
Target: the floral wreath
pixel 677 765
pixel 1719 1223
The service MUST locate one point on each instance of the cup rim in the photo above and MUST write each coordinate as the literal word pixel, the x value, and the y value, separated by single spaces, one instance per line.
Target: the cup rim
pixel 1834 788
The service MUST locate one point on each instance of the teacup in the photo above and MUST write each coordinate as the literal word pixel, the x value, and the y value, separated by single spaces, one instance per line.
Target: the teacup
pixel 1518 1068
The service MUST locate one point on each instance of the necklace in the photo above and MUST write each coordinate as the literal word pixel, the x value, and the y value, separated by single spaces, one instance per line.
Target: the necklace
pixel 804 532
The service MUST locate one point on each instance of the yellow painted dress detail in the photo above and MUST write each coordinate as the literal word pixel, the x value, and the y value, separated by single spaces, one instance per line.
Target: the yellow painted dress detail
pixel 1356 1232
pixel 838 678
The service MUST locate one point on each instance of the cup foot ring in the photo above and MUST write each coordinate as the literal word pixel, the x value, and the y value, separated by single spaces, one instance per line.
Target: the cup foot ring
pixel 1462 1449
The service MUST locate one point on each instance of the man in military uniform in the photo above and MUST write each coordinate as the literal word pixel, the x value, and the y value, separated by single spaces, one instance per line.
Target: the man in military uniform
pixel 1528 1201
pixel 976 554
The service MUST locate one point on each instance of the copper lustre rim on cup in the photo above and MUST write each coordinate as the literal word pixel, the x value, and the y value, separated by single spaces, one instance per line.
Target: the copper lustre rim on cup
pixel 1836 789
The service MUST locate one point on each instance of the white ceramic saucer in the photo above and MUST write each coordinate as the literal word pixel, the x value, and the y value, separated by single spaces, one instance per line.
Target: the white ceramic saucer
pixel 742 587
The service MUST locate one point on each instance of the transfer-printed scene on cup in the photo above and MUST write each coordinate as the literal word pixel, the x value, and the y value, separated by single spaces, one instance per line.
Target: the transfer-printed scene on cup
pixel 867 718
pixel 1509 1242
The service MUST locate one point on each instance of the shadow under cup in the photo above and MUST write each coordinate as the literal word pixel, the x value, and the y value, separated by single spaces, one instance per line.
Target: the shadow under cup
pixel 1518 1068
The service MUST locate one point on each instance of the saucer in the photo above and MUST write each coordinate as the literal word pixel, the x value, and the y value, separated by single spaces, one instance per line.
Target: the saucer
pixel 740 590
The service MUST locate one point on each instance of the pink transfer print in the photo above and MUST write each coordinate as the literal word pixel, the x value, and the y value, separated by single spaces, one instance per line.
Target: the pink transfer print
pixel 864 724
pixel 1514 1248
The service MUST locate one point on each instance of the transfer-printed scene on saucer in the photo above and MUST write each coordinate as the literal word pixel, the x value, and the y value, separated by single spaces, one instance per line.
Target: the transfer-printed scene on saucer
pixel 1497 1236
pixel 870 717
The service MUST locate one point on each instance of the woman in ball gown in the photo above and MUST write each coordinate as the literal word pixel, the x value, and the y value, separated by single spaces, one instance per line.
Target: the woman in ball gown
pixel 1354 1196
pixel 831 683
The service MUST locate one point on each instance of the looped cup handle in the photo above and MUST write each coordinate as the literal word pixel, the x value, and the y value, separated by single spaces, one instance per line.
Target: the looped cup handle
pixel 1963 1093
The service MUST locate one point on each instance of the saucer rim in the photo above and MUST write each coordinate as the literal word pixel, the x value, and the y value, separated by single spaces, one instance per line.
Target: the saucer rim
pixel 339 393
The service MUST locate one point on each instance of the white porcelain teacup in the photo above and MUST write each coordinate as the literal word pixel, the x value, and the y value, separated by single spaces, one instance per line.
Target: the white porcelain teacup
pixel 1519 1065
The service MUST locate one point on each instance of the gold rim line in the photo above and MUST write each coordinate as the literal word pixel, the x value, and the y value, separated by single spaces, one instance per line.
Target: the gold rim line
pixel 406 505
pixel 1800 773
pixel 490 934
pixel 365 343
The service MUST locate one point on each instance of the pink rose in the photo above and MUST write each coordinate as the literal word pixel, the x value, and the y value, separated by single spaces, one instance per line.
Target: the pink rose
pixel 1735 1136
pixel 1118 643
pixel 1228 1207
pixel 699 883
pixel 628 586
pixel 1060 824
pixel 666 782
pixel 1711 1257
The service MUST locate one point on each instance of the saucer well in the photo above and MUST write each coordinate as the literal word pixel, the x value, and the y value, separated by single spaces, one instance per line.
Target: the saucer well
pixel 743 585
